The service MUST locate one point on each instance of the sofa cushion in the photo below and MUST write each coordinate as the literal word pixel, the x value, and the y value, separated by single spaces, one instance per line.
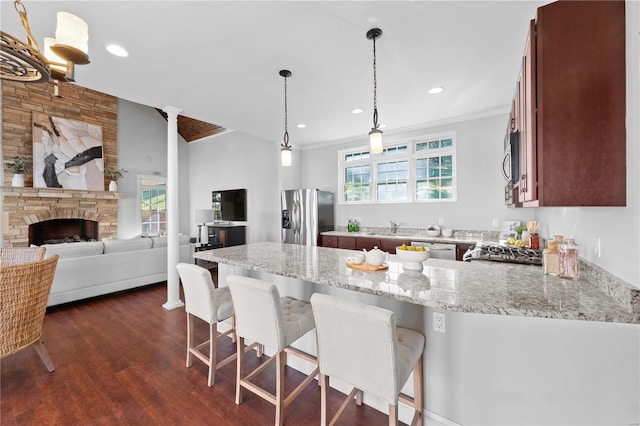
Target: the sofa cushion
pixel 162 241
pixel 119 246
pixel 79 249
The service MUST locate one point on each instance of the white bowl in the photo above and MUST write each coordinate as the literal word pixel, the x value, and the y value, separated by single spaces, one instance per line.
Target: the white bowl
pixel 412 260
pixel 431 233
pixel 447 232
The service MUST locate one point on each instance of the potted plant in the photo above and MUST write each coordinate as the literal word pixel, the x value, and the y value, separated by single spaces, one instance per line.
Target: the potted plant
pixel 114 175
pixel 19 167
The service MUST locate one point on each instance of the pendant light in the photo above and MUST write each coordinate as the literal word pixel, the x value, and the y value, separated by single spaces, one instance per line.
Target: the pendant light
pixel 285 152
pixel 375 135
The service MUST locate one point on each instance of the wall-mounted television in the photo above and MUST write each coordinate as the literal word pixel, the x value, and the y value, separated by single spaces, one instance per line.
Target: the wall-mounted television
pixel 230 204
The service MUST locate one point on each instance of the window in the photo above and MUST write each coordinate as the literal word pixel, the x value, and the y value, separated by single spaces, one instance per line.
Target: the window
pixel 153 208
pixel 418 170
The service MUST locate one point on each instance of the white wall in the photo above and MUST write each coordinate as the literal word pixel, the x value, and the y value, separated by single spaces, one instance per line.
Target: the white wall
pixel 480 183
pixel 617 227
pixel 142 150
pixel 235 160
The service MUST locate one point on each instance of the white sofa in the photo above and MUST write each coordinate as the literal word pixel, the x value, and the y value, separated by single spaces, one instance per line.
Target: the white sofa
pixel 88 269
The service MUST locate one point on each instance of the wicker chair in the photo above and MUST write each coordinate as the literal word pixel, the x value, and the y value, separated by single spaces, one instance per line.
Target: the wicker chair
pixel 24 292
pixel 15 255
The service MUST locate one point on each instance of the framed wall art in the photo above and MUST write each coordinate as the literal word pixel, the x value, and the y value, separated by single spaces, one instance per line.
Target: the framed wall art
pixel 67 154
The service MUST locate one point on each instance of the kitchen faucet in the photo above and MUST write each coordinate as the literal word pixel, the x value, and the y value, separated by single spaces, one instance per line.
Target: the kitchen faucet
pixel 394 226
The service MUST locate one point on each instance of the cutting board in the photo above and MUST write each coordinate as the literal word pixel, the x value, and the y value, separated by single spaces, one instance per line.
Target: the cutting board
pixel 367 267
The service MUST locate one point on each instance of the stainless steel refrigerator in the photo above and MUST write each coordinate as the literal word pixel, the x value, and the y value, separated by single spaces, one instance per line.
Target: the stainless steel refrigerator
pixel 306 213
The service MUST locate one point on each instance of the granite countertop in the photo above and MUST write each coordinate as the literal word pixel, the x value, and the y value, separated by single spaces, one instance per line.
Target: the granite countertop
pixel 418 234
pixel 476 287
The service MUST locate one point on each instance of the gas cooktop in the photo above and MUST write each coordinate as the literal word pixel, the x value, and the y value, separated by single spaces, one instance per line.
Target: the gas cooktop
pixel 501 253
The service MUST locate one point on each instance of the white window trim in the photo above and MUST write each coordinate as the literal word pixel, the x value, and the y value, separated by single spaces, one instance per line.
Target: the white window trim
pixel 410 156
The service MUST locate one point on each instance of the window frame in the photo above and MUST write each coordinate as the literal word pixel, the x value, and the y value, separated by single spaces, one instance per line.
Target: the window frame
pixel 140 188
pixel 411 155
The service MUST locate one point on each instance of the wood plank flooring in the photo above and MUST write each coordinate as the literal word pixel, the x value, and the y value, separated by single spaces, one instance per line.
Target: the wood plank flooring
pixel 120 361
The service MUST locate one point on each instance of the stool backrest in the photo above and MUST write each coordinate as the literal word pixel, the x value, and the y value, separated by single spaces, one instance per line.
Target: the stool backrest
pixel 258 311
pixel 357 344
pixel 199 292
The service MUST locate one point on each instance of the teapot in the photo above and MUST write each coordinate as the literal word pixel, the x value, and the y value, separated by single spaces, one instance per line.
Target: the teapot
pixel 375 256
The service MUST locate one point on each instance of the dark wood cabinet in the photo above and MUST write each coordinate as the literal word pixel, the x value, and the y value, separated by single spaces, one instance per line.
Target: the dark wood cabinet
pixel 227 235
pixel 347 243
pixel 328 241
pixel 570 107
pixel 367 243
pixel 389 244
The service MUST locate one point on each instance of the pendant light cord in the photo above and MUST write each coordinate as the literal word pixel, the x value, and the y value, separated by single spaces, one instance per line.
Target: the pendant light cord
pixel 286 131
pixel 375 88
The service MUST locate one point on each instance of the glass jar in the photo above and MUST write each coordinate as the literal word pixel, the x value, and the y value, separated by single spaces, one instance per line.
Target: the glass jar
pixel 534 241
pixel 568 256
pixel 550 262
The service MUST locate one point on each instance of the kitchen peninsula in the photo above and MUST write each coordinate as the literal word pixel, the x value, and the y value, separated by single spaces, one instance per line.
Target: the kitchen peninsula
pixel 474 287
pixel 518 348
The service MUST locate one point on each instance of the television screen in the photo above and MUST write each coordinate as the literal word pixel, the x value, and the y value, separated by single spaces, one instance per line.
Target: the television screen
pixel 230 204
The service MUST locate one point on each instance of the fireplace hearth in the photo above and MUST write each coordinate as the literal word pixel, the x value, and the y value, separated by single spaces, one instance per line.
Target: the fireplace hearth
pixel 56 231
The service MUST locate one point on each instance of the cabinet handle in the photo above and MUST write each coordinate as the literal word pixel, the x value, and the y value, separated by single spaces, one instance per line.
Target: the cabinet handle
pixel 523 183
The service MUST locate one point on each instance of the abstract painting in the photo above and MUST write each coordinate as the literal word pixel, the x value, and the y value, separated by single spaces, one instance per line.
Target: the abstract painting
pixel 67 154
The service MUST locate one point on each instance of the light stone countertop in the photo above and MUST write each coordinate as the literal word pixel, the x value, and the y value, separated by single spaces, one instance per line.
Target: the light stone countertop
pixel 476 287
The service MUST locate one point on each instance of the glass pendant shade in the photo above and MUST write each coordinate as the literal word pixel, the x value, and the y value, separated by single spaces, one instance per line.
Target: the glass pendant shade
pixel 375 141
pixel 286 156
pixel 72 38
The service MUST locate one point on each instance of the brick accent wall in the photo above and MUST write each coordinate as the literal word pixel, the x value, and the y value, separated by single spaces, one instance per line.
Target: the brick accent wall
pixel 28 205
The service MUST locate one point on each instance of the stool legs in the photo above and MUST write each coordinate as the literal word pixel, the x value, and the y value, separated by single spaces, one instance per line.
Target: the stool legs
pixel 280 363
pixel 239 369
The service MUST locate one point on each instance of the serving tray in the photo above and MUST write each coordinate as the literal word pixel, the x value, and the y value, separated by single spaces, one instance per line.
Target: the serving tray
pixel 367 267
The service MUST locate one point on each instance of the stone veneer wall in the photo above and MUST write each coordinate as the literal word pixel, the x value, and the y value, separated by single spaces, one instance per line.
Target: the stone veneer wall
pixel 23 206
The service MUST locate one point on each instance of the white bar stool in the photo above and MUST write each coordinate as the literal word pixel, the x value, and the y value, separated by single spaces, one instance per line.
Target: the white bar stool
pixel 263 316
pixel 361 345
pixel 211 305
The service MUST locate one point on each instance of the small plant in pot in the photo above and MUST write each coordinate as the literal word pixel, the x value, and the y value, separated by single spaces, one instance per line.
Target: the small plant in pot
pixel 114 175
pixel 19 167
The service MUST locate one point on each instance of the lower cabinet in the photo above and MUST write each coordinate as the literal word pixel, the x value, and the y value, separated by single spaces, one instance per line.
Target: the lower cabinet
pixel 461 249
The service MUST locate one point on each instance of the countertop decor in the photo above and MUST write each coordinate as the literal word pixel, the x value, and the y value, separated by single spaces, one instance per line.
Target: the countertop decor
pixel 475 287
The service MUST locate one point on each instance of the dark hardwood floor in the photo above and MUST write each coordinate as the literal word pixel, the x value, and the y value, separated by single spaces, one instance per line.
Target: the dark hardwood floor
pixel 120 360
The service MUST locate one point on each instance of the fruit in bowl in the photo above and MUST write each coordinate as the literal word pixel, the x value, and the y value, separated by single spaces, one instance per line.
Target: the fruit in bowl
pixel 412 256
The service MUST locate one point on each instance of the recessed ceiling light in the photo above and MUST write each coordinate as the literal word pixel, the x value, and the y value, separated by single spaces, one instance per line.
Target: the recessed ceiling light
pixel 382 126
pixel 117 50
pixel 436 90
pixel 301 126
pixel 357 111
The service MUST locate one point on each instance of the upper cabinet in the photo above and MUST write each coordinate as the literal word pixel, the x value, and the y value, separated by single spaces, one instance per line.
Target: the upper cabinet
pixel 569 107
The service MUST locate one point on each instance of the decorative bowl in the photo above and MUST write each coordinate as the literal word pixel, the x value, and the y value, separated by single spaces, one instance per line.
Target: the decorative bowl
pixel 433 231
pixel 447 232
pixel 412 260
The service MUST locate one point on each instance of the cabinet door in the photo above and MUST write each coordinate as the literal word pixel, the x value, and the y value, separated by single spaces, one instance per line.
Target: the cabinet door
pixel 328 241
pixel 461 249
pixel 389 244
pixel 367 243
pixel 347 243
pixel 527 108
pixel 581 102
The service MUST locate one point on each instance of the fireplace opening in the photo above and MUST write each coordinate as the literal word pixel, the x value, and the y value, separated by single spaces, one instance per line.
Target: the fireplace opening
pixel 57 231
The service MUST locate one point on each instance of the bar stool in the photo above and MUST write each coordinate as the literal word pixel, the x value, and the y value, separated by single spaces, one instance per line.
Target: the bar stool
pixel 263 316
pixel 361 345
pixel 211 305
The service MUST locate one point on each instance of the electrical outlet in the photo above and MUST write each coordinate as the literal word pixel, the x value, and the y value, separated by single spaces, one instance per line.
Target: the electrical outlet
pixel 439 322
pixel 598 249
pixel 441 221
pixel 496 223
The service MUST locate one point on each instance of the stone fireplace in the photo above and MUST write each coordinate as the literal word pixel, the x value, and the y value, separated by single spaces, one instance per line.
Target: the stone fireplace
pixel 25 207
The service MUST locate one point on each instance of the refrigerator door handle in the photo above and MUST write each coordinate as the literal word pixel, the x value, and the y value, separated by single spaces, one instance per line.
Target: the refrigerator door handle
pixel 296 219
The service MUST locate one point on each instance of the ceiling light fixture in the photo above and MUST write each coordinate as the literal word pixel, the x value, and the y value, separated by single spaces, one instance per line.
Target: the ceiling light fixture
pixel 285 152
pixel 25 62
pixel 357 111
pixel 436 90
pixel 117 50
pixel 375 135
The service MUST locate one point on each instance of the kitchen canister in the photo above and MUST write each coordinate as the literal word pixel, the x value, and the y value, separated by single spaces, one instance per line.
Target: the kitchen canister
pixel 568 257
